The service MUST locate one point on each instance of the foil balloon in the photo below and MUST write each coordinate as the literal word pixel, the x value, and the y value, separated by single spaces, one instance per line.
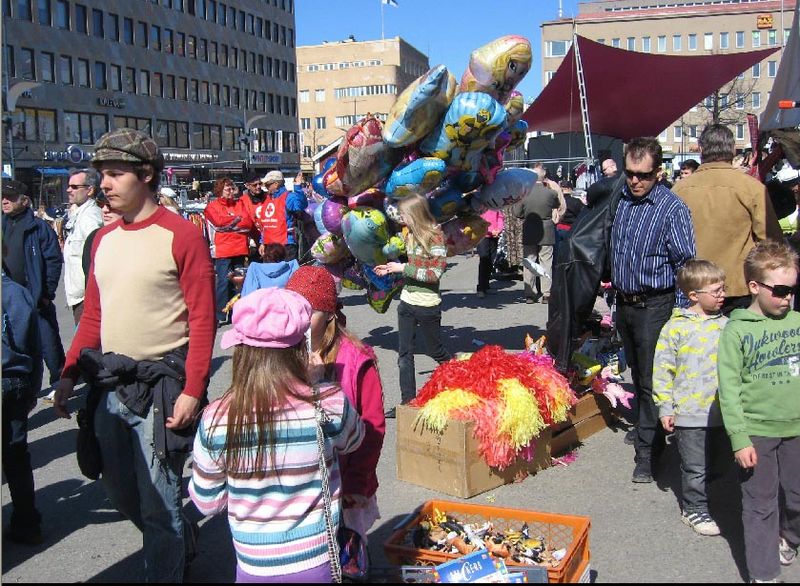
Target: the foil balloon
pixel 317 182
pixel 492 158
pixel 497 67
pixel 518 132
pixel 318 220
pixel 446 203
pixel 515 106
pixel 463 233
pixel 471 124
pixel 371 198
pixel 363 160
pixel 353 279
pixel 367 236
pixel 509 187
pixel 332 212
pixel 381 290
pixel 329 249
pixel 419 108
pixel 391 211
pixel 418 177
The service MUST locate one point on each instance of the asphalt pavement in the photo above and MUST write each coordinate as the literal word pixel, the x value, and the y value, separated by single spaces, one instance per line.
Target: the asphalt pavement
pixel 636 532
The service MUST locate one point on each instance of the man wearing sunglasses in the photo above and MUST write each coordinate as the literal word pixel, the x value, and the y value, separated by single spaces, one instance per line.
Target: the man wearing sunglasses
pixel 731 211
pixel 83 187
pixel 651 238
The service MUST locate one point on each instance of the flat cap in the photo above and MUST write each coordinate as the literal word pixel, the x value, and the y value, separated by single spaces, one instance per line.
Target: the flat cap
pixel 128 145
pixel 14 188
pixel 273 176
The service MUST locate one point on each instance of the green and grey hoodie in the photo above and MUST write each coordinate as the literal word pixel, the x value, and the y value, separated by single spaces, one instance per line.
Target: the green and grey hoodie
pixel 759 376
pixel 685 369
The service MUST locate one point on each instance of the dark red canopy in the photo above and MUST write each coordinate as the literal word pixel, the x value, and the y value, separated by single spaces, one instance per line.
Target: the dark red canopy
pixel 631 94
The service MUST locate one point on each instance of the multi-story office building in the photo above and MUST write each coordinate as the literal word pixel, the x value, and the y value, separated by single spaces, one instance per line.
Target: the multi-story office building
pixel 685 27
pixel 340 82
pixel 195 74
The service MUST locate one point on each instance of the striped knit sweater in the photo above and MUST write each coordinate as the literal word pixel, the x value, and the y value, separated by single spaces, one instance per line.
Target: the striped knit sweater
pixel 278 522
pixel 424 269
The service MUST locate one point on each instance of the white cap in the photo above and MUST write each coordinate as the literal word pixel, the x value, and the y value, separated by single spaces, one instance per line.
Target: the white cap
pixel 787 174
pixel 272 177
pixel 168 191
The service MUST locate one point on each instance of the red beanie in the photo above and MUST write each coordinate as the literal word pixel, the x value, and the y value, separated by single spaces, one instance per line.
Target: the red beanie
pixel 317 285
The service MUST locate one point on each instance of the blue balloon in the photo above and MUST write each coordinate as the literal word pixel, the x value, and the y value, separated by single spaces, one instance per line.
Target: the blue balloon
pixel 318 220
pixel 419 176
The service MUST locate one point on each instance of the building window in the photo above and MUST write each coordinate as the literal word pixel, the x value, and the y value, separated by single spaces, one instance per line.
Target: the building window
pixel 772 37
pixel 231 138
pixel 127 31
pixel 756 100
pixel 172 134
pixel 45 16
pixel 169 86
pixel 97 23
pixel 115 78
pixel 214 94
pixel 157 85
pixel 112 27
pixel 740 132
pixel 307 153
pixel 772 68
pixel 27 67
pixel 141 34
pixel 235 102
pixel 693 133
pixel 757 70
pixel 724 40
pixel 81 16
pixel 62 14
pixel 207 136
pixel 615 43
pixel 24 11
pixel 202 50
pixel 34 124
pixel 142 124
pixel 212 52
pixel 181 88
pixel 631 44
pixel 756 39
pixel 83 72
pixel 212 11
pixel 191 47
pixel 740 39
pixel 194 90
pixel 739 101
pixel 662 44
pixel 225 95
pixel 155 37
pixel 144 82
pixel 167 41
pixel 305 123
pixel 677 132
pixel 557 48
pixel 319 95
pixel 47 67
pixel 676 43
pixel 223 55
pixel 646 45
pixel 204 92
pixel 691 44
pixel 708 41
pixel 65 69
pixel 100 75
pixel 321 123
pixel 129 80
pixel 180 44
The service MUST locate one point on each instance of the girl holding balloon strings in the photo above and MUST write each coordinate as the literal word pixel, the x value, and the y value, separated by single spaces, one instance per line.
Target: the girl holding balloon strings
pixel 420 300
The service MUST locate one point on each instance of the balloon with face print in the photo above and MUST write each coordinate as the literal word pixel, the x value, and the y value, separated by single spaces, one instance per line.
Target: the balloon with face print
pixel 366 233
pixel 497 67
pixel 418 177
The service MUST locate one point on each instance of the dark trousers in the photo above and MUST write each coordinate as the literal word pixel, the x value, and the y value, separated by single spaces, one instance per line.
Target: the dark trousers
pixel 429 320
pixel 487 251
pixel 16 458
pixel 224 287
pixel 764 524
pixel 639 325
pixel 699 448
pixel 52 350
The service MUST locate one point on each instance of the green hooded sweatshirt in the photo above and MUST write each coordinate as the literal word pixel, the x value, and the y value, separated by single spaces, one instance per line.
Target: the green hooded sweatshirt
pixel 759 376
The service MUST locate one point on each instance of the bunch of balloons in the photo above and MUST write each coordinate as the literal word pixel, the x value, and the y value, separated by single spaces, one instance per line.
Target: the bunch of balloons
pixel 442 140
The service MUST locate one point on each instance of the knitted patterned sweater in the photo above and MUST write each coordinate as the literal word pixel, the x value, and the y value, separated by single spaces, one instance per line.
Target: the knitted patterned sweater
pixel 423 271
pixel 277 522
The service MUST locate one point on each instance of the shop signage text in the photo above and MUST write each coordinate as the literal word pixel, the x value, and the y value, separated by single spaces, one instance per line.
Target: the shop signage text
pixel 764 21
pixel 192 157
pixel 111 102
pixel 266 158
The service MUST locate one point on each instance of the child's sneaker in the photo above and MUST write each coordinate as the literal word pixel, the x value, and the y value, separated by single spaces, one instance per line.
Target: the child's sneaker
pixel 786 552
pixel 701 522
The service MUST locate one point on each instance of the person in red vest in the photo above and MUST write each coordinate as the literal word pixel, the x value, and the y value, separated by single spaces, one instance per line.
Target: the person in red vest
pixel 232 223
pixel 275 215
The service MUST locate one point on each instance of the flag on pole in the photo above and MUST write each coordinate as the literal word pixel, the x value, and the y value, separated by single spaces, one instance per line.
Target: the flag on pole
pixel 390 2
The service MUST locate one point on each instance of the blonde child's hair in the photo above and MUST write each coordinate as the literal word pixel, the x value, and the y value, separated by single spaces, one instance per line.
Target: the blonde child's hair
pixel 698 273
pixel 422 226
pixel 768 255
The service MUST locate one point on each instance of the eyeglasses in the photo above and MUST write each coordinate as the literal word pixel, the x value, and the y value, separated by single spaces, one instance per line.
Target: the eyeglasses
pixel 640 176
pixel 778 290
pixel 74 187
pixel 715 293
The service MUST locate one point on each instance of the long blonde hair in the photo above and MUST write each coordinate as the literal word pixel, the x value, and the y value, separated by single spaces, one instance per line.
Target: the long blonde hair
pixel 329 346
pixel 263 379
pixel 422 226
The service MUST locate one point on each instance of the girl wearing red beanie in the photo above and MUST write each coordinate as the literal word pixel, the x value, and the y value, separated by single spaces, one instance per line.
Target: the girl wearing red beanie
pixel 354 367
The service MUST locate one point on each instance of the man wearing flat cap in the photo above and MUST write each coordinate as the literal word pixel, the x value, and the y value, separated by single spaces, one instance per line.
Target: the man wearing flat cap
pixel 149 307
pixel 34 261
pixel 275 214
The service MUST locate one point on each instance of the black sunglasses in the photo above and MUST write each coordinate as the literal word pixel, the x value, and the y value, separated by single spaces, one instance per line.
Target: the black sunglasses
pixel 640 176
pixel 778 290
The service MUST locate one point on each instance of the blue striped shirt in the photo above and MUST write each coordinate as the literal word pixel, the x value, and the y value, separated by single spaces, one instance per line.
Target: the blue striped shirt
pixel 652 237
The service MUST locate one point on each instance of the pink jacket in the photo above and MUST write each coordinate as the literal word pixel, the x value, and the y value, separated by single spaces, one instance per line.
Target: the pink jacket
pixel 357 373
pixel 495 219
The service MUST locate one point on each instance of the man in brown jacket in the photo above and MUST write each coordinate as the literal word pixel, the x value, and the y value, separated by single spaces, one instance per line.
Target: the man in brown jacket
pixel 731 211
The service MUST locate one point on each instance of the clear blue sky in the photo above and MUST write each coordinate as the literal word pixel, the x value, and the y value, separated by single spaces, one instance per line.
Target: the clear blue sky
pixel 445 30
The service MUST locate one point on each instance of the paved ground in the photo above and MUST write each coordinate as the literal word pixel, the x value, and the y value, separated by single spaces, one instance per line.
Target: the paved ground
pixel 636 534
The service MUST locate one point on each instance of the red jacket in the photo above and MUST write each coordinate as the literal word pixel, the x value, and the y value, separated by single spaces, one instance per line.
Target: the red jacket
pixel 357 373
pixel 232 222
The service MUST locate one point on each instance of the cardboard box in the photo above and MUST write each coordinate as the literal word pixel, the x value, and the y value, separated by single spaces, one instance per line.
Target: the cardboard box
pixel 592 413
pixel 451 463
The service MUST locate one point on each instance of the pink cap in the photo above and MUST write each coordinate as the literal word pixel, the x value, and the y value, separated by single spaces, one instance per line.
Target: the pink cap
pixel 269 318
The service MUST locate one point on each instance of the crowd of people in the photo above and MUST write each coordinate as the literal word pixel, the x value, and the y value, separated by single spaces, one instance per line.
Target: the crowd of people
pixel 703 277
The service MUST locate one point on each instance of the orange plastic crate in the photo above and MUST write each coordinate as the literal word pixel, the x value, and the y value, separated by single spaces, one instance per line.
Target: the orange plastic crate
pixel 560 531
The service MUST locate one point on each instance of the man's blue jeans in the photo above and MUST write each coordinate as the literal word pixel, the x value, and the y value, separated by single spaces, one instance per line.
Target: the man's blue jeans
pixel 144 489
pixel 224 288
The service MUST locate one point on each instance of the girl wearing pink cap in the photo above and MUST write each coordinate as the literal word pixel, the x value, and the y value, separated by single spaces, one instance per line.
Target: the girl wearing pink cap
pixel 256 451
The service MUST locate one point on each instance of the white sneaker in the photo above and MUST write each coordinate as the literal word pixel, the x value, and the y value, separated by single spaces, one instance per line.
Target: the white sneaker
pixel 701 522
pixel 51 396
pixel 786 552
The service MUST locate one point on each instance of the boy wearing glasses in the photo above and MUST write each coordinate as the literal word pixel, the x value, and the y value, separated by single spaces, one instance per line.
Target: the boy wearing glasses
pixel 759 392
pixel 685 385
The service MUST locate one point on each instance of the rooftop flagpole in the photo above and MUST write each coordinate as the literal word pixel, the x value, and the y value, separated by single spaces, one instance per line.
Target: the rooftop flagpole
pixel 382 3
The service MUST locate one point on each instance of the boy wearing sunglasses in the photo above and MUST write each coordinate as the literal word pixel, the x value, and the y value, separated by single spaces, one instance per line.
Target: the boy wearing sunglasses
pixel 759 374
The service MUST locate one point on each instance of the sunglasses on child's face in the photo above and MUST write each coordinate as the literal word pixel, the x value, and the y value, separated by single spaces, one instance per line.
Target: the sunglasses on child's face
pixel 778 290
